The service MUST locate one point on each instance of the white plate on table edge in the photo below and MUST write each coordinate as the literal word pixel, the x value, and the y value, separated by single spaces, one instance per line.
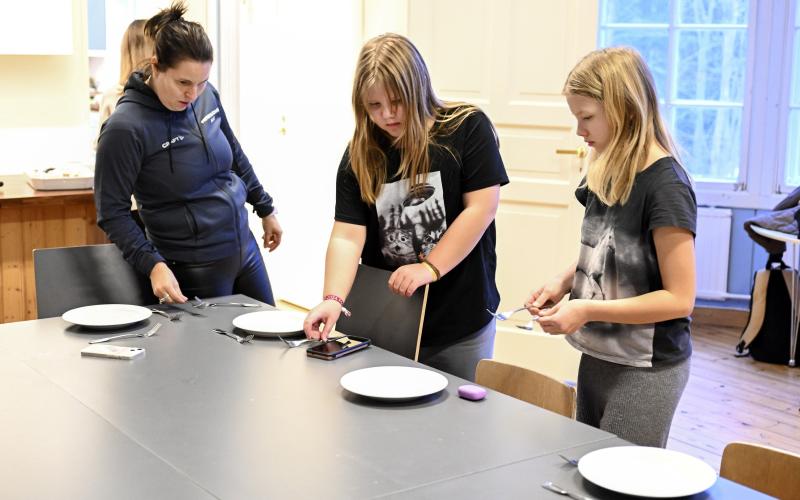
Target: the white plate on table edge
pixel 271 323
pixel 104 316
pixel 647 471
pixel 393 383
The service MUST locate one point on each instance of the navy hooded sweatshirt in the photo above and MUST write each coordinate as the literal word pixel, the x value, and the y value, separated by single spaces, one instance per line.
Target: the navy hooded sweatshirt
pixel 187 173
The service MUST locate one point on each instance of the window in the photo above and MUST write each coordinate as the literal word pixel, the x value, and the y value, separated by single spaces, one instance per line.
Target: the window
pixel 716 72
pixel 791 175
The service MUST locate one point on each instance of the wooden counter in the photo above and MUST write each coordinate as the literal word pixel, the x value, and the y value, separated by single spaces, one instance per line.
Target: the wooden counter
pixel 37 219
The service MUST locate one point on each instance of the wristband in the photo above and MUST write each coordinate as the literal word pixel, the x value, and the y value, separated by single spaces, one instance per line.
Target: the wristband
pixel 338 299
pixel 432 269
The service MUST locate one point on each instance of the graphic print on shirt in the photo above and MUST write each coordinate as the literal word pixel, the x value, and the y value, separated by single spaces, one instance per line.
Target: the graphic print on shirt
pixel 600 274
pixel 411 222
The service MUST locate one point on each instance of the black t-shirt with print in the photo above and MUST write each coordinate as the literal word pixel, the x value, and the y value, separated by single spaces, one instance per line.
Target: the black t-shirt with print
pixel 618 260
pixel 401 225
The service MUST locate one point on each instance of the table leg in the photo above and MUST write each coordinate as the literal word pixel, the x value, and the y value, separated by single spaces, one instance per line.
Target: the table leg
pixel 793 297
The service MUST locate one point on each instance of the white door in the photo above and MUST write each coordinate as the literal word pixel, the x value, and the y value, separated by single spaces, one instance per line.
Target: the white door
pixel 511 57
pixel 296 66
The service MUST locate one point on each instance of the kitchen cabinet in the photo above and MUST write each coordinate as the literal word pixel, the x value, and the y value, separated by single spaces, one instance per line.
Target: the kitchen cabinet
pixel 37 219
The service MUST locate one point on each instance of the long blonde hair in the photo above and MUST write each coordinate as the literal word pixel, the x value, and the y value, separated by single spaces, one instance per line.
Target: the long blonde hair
pixel 393 61
pixel 619 78
pixel 135 51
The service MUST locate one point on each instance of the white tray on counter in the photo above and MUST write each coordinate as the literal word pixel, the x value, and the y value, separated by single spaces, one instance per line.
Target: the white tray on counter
pixel 76 176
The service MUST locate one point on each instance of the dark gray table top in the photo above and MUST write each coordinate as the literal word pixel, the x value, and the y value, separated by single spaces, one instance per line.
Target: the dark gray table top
pixel 262 421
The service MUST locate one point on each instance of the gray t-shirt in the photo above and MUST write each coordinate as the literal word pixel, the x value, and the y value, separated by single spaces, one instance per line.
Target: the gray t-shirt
pixel 618 260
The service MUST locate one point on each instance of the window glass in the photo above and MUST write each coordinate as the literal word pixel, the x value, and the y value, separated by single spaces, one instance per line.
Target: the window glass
pixel 712 12
pixel 636 11
pixel 711 65
pixel 709 140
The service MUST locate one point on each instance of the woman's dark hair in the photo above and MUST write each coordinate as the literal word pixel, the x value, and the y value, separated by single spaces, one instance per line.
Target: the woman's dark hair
pixel 175 39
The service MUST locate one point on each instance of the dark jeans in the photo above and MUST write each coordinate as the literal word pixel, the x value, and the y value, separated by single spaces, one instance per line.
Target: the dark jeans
pixel 243 273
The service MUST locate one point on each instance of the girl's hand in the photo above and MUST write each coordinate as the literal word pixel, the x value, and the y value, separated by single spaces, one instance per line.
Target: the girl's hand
pixel 549 294
pixel 565 317
pixel 164 284
pixel 406 279
pixel 326 313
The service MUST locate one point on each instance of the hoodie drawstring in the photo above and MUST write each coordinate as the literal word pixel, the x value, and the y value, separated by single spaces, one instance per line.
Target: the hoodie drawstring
pixel 169 143
pixel 200 129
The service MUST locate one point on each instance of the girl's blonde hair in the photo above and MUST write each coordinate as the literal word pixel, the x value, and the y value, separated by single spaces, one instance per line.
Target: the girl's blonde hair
pixel 393 61
pixel 135 51
pixel 619 78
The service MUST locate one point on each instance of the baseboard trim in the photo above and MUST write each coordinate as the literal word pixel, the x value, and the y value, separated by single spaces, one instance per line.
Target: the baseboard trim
pixel 718 316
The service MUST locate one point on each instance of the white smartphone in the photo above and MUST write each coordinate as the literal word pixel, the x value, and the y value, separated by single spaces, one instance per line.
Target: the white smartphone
pixel 112 351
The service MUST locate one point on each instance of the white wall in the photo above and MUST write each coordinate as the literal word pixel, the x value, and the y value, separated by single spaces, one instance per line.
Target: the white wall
pixel 45 102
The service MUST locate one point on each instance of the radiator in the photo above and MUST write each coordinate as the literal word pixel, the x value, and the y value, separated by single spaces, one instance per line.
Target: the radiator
pixel 713 250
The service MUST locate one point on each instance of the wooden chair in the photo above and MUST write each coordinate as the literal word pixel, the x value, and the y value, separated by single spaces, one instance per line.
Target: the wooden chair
pixel 768 470
pixel 70 277
pixel 392 321
pixel 527 385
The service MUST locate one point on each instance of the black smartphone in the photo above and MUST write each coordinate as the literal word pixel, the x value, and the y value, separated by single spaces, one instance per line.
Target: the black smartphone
pixel 338 347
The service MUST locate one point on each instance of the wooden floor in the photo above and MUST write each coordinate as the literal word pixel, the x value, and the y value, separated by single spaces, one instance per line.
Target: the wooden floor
pixel 734 399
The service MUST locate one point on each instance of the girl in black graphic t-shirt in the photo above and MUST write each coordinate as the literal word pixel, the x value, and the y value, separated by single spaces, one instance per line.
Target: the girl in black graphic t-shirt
pixel 633 287
pixel 416 193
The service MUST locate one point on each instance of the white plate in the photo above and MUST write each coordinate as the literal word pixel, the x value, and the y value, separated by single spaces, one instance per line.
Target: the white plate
pixel 393 383
pixel 271 323
pixel 107 315
pixel 647 472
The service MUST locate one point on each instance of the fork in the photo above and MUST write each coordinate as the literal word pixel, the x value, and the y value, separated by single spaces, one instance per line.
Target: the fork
pixel 502 316
pixel 199 303
pixel 171 317
pixel 148 333
pixel 548 485
pixel 237 338
pixel 298 343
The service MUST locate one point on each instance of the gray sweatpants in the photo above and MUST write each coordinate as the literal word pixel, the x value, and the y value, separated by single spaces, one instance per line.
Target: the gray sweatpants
pixel 461 358
pixel 636 404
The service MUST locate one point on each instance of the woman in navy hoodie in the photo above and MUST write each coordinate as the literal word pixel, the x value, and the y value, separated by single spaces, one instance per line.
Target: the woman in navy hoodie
pixel 169 144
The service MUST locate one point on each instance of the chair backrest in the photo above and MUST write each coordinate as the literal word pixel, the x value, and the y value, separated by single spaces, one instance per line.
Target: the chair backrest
pixel 768 470
pixel 392 321
pixel 527 385
pixel 70 277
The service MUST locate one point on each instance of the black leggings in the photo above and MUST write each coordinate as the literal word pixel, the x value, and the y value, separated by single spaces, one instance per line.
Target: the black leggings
pixel 243 273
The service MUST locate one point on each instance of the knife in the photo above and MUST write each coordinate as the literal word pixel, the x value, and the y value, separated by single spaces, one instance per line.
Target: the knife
pixel 235 304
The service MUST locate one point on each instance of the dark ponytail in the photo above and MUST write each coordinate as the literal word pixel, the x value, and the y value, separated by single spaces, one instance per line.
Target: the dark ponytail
pixel 175 39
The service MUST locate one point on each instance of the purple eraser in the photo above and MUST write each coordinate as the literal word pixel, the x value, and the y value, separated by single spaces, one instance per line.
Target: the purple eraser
pixel 472 392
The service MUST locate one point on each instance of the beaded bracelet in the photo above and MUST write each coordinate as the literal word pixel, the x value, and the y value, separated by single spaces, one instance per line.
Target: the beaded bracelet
pixel 338 299
pixel 433 269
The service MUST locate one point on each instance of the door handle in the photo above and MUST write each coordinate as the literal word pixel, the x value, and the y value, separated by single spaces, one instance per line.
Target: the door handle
pixel 580 152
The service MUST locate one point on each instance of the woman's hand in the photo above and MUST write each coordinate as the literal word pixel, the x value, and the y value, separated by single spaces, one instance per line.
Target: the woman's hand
pixel 406 279
pixel 565 317
pixel 164 284
pixel 272 232
pixel 326 313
